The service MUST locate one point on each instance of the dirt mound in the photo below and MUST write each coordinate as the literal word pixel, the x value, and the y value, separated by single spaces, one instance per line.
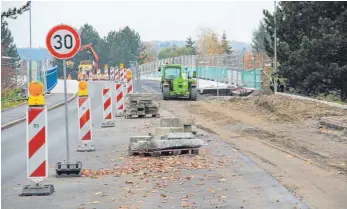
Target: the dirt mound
pixel 285 109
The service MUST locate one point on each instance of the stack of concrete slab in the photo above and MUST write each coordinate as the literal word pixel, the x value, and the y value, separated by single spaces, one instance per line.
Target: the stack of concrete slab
pixel 174 125
pixel 174 136
pixel 141 105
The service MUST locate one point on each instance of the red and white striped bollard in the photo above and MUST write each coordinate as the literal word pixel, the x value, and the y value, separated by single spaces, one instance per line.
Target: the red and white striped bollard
pixel 130 89
pixel 120 106
pixel 116 74
pixel 37 152
pixel 107 108
pixel 84 120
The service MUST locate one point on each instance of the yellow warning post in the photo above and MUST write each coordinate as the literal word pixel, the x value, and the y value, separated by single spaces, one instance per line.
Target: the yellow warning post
pixel 129 74
pixel 82 88
pixel 36 97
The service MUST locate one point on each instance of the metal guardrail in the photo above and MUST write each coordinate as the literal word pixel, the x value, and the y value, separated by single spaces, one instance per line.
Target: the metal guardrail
pixel 232 69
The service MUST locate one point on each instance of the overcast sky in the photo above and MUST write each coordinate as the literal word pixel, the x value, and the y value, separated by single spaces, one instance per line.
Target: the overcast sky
pixel 152 20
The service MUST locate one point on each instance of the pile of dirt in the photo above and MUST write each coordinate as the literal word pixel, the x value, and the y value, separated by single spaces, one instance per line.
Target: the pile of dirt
pixel 280 108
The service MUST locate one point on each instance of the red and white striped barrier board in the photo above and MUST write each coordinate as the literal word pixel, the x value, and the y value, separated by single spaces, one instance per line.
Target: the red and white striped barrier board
pixel 130 89
pixel 124 79
pixel 121 74
pixel 119 99
pixel 37 148
pixel 111 73
pixel 85 121
pixel 116 74
pixel 106 100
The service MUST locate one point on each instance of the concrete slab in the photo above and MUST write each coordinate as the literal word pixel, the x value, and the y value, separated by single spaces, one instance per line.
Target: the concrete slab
pixel 170 122
pixel 180 136
pixel 166 130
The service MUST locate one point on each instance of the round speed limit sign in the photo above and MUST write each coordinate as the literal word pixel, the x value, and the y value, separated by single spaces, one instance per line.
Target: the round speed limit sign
pixel 63 42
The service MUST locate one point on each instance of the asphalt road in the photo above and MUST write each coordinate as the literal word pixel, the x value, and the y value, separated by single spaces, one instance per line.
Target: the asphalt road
pixel 226 186
pixel 13 140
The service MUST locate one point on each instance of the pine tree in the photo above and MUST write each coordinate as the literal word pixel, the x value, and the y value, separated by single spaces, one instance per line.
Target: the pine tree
pixel 225 44
pixel 311 45
pixel 10 48
pixel 14 12
pixel 190 44
pixel 259 35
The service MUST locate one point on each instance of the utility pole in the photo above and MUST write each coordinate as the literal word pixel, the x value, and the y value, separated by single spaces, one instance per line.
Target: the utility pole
pixel 275 49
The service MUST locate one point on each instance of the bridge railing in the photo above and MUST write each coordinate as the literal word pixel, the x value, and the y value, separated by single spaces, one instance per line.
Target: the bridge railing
pixel 237 70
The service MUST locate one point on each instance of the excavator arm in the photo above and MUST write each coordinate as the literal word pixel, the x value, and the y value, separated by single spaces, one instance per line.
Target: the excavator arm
pixel 95 55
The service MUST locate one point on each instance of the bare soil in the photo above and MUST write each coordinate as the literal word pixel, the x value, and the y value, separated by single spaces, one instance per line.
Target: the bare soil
pixel 283 136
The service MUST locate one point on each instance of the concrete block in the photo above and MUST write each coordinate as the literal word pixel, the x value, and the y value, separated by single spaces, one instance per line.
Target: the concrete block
pixel 170 122
pixel 187 128
pixel 180 135
pixel 167 130
pixel 140 138
pixel 187 121
pixel 144 96
pixel 194 129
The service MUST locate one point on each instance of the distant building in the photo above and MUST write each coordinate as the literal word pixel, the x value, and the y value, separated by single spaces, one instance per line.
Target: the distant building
pixel 8 73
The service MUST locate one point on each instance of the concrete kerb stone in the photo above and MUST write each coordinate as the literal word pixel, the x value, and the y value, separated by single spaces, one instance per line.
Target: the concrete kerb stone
pixel 166 130
pixel 170 122
pixel 333 123
pixel 135 139
pixel 10 124
pixel 313 100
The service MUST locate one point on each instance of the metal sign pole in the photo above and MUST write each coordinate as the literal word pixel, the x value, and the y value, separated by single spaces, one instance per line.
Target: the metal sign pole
pixel 66 116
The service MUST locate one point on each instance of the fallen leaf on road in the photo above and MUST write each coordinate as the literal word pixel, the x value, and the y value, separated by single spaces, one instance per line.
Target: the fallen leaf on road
pixel 185 204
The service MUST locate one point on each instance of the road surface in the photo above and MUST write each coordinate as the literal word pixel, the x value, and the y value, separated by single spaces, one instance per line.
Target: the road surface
pixel 219 176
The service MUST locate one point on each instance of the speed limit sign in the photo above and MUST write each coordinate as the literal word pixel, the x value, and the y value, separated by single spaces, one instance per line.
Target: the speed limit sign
pixel 63 42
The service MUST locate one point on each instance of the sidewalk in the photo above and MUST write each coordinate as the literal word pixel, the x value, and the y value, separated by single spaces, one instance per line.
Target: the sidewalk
pixel 16 113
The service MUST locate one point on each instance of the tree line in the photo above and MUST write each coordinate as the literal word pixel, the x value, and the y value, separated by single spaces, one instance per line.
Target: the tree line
pixel 208 43
pixel 9 47
pixel 311 45
pixel 115 48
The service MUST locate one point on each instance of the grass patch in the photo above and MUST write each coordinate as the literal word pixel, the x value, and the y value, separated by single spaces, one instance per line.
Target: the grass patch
pixel 12 98
pixel 8 104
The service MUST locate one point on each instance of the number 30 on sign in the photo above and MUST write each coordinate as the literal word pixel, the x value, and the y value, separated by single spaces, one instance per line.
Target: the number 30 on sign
pixel 63 42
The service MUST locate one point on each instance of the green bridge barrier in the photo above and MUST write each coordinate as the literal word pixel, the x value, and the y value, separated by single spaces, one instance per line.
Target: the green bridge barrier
pixel 249 78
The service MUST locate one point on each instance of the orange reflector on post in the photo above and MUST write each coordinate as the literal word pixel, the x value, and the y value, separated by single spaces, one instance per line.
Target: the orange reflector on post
pixel 36 97
pixel 82 88
pixel 129 74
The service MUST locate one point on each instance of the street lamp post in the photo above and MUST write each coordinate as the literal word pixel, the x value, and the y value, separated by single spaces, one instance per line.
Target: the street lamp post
pixel 275 49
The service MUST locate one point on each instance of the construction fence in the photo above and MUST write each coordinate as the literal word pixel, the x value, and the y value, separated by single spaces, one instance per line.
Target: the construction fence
pixel 238 70
pixel 17 75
